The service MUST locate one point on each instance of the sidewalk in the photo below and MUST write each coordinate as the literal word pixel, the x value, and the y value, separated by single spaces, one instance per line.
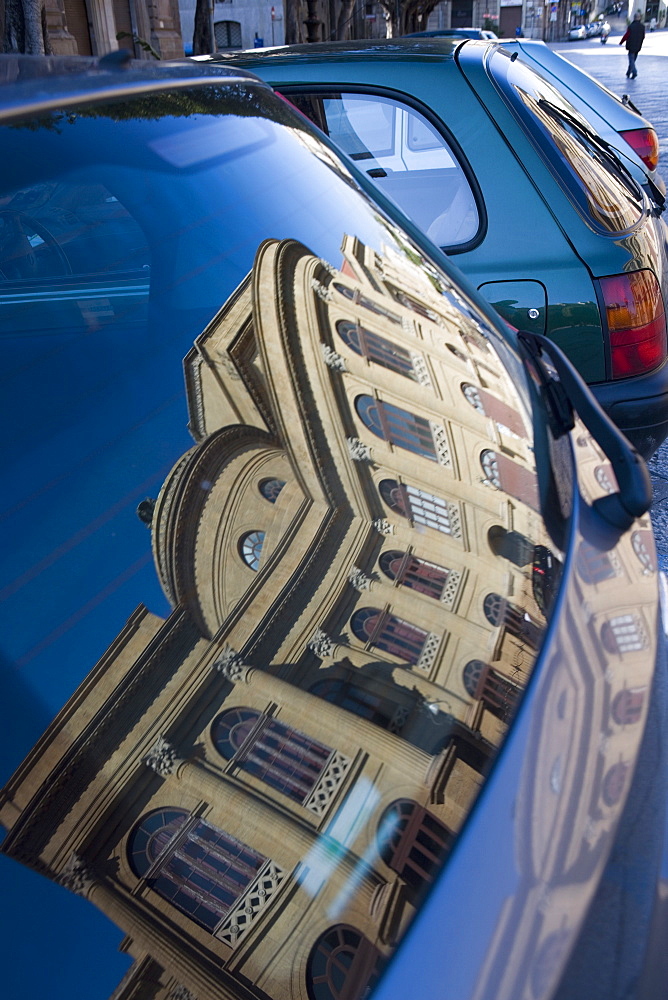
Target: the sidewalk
pixel 607 64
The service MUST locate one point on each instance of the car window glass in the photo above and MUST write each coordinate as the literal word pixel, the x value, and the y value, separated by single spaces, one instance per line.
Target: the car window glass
pixel 71 258
pixel 406 156
pixel 590 172
pixel 273 470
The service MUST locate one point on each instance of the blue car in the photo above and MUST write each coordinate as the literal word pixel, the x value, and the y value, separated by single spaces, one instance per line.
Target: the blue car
pixel 333 645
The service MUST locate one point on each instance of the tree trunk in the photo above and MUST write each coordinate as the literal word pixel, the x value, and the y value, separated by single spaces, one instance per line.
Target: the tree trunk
pixel 23 26
pixel 392 15
pixel 203 40
pixel 291 19
pixel 34 32
pixel 344 19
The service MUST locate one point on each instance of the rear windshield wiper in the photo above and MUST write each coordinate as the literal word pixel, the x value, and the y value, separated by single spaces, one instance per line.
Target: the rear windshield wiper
pixel 602 145
pixel 568 392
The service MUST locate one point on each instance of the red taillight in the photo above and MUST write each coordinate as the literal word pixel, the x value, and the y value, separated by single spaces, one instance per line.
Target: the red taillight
pixel 636 322
pixel 645 142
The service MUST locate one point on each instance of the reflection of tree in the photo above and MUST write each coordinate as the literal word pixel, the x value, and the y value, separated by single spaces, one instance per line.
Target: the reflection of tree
pixel 210 100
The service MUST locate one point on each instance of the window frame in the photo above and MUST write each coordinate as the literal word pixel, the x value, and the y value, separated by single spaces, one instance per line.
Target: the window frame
pixel 397 426
pixel 497 692
pixel 271 765
pixel 178 851
pixel 401 846
pixel 414 104
pixel 251 550
pixel 227 22
pixel 411 506
pixel 393 635
pixel 414 573
pixel 359 973
pixel 375 348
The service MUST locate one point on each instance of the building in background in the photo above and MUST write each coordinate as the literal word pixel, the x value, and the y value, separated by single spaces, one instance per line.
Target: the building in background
pixel 93 27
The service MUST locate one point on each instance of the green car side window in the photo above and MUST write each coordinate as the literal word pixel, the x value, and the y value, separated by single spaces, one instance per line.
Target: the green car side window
pixel 406 156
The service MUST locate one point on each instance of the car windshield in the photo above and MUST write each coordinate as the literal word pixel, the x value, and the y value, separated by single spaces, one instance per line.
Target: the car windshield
pixel 278 553
pixel 587 167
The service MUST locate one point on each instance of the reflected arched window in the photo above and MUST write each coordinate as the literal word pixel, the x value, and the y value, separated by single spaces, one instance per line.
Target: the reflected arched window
pixel 412 842
pixel 500 613
pixel 251 548
pixel 510 545
pixel 415 305
pixel 401 428
pixel 152 837
pixel 343 965
pixel 458 354
pixel 504 474
pixel 624 634
pixel 375 348
pixel 284 758
pixel 497 692
pixel 198 868
pixel 605 477
pixel 356 699
pixel 645 550
pixel 593 565
pixel 354 295
pixel 395 496
pixel 418 505
pixel 495 609
pixel 418 574
pixel 270 488
pixel 614 783
pixel 627 706
pixel 487 404
pixel 385 631
pixel 548 960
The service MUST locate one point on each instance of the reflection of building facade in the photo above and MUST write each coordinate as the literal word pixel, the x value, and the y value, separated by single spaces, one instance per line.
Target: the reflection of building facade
pixel 595 698
pixel 257 789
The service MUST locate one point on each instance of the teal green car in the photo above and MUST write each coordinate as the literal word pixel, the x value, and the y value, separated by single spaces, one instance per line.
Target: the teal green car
pixel 498 168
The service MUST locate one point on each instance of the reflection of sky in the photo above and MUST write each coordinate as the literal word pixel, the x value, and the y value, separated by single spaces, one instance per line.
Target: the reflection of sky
pixel 56 944
pixel 103 417
pixel 91 424
pixel 328 852
pixel 60 946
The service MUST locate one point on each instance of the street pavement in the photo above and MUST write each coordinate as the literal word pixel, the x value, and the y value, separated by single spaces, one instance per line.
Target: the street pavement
pixel 607 64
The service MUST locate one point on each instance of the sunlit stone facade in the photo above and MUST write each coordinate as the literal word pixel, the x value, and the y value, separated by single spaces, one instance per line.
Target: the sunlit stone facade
pixel 274 773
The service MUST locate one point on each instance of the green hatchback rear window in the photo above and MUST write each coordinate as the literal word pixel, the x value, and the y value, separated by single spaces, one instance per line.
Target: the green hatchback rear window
pixel 589 170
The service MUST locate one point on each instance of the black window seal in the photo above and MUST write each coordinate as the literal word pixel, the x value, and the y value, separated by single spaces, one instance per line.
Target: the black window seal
pixel 327 89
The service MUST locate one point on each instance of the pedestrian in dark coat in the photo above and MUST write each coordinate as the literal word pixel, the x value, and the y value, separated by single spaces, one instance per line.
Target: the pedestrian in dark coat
pixel 634 36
